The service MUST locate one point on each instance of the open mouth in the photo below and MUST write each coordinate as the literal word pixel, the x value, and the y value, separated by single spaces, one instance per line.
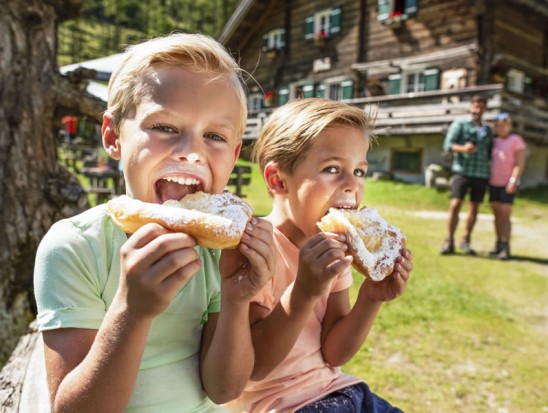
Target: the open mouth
pixel 345 206
pixel 176 187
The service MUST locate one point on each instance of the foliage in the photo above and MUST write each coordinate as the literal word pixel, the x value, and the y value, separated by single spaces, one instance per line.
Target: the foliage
pixel 107 26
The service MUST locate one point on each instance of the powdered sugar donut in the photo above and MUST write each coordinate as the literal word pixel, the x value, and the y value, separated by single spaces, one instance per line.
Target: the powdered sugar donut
pixel 216 221
pixel 373 243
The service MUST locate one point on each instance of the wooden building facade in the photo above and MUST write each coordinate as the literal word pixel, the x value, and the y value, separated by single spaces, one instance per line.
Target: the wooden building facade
pixel 417 63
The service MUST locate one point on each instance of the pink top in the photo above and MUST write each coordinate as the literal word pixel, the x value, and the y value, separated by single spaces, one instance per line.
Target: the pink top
pixel 303 376
pixel 504 158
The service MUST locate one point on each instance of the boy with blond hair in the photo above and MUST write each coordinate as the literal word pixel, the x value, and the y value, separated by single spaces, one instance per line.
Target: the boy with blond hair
pixel 313 156
pixel 146 323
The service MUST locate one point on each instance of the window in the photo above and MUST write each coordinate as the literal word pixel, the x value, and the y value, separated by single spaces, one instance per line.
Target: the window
pixel 453 79
pixel 414 81
pixel 334 89
pixel 255 101
pixel 274 40
pixel 406 161
pixel 515 81
pixel 326 22
pixel 388 10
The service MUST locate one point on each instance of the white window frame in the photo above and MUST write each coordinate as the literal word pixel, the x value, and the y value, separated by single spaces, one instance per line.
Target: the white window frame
pixel 275 39
pixel 414 77
pixel 255 101
pixel 516 80
pixel 322 22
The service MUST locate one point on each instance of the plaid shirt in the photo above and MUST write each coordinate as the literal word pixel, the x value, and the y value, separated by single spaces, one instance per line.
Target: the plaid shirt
pixel 475 164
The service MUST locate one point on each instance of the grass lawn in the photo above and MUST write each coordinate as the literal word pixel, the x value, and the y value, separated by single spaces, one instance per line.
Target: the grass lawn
pixel 470 333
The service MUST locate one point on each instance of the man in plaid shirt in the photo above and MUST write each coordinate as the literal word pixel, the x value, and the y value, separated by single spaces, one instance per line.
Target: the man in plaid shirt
pixel 470 144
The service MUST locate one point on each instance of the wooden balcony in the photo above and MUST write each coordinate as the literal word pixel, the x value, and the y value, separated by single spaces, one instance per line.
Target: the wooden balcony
pixel 433 112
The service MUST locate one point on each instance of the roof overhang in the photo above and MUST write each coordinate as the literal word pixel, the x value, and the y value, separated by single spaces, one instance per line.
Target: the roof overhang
pixel 235 20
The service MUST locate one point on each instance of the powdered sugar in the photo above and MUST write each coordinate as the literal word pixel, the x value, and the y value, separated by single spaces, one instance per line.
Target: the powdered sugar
pixel 374 242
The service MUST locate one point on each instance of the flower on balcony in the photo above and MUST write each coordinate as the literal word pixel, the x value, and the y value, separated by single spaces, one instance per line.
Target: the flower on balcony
pixel 395 19
pixel 269 98
pixel 320 38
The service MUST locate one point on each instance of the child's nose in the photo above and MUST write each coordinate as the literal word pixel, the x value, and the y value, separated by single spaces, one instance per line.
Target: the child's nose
pixel 189 149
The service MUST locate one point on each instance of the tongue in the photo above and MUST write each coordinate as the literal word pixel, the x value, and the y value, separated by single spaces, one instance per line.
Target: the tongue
pixel 172 190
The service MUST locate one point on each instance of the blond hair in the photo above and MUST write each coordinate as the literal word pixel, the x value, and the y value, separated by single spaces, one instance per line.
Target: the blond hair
pixel 193 52
pixel 290 131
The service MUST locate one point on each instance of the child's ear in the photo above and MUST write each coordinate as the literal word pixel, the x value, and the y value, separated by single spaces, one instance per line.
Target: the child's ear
pixel 111 142
pixel 273 177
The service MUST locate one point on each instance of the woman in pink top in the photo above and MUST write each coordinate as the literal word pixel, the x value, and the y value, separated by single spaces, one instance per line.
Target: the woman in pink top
pixel 508 159
pixel 313 156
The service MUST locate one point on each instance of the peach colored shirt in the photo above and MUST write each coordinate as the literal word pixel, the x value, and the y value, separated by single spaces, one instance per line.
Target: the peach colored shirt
pixel 504 158
pixel 303 376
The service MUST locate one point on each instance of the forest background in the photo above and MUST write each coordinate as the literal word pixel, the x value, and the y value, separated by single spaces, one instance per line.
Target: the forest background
pixel 105 27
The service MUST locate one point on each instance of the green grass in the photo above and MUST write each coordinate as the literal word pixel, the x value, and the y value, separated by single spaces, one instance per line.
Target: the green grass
pixel 470 333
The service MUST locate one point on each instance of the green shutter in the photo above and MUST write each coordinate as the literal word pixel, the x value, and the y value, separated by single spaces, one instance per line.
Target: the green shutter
pixel 335 21
pixel 394 84
pixel 347 87
pixel 283 95
pixel 320 91
pixel 411 7
pixel 309 28
pixel 431 79
pixel 308 91
pixel 265 41
pixel 383 9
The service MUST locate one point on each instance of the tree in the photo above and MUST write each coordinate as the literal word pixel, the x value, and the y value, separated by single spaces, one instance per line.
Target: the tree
pixel 35 189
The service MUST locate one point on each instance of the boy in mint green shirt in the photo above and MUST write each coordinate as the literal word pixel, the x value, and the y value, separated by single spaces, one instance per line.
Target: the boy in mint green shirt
pixel 148 323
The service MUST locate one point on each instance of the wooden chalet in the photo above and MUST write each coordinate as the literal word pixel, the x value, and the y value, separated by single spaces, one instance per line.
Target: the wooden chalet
pixel 417 63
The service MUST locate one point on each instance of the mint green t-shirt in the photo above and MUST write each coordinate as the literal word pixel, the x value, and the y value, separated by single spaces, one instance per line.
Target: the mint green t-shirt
pixel 75 278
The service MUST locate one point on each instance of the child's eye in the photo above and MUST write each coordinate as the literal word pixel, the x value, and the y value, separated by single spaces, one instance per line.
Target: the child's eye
pixel 215 136
pixel 163 128
pixel 360 173
pixel 331 169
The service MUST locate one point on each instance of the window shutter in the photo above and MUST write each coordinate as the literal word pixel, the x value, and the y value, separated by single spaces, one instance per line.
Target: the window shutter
pixel 309 28
pixel 282 38
pixel 347 87
pixel 431 79
pixel 335 21
pixel 265 41
pixel 283 95
pixel 308 91
pixel 411 7
pixel 394 84
pixel 320 90
pixel 383 9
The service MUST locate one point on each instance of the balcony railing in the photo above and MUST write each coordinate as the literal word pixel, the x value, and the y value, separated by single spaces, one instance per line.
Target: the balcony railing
pixel 432 112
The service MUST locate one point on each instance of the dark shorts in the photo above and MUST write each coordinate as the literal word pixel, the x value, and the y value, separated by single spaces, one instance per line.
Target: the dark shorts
pixel 351 399
pixel 499 194
pixel 463 184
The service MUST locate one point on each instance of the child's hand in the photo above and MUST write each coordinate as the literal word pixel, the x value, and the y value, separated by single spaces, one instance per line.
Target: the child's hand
pixel 392 286
pixel 155 264
pixel 246 270
pixel 322 258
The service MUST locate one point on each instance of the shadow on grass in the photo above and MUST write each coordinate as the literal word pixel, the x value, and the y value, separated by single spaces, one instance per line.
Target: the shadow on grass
pixel 536 260
pixel 524 258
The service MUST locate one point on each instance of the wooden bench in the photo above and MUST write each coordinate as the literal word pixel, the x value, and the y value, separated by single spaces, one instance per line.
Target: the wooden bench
pixel 240 177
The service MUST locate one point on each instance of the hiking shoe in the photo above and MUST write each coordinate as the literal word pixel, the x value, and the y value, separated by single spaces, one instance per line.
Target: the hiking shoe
pixel 466 248
pixel 504 253
pixel 447 247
